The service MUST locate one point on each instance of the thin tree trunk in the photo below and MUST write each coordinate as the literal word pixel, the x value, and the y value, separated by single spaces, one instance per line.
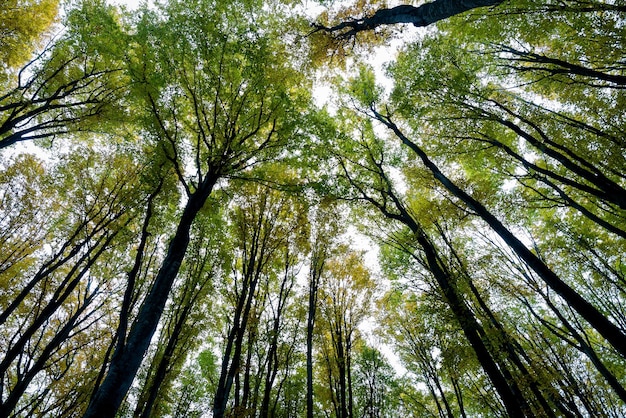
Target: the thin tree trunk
pixel 446 404
pixel 349 377
pixel 459 396
pixel 513 403
pixel 164 365
pixel 341 365
pixel 230 368
pixel 272 357
pixel 317 266
pixel 247 375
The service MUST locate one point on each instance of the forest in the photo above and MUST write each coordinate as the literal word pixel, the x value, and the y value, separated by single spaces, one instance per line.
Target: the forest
pixel 318 208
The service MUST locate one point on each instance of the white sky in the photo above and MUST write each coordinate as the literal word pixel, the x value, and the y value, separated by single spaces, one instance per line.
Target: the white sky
pixel 131 4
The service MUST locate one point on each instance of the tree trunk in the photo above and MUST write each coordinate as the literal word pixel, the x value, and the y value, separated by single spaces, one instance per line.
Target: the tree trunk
pixel 341 366
pixel 471 328
pixel 317 265
pixel 349 376
pixel 272 355
pixel 144 409
pixel 127 359
pixel 235 345
pixel 514 404
pixel 596 319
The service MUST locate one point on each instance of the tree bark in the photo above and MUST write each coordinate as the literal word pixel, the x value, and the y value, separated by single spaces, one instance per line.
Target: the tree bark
pixel 317 266
pixel 230 365
pixel 593 316
pixel 423 15
pixel 127 359
pixel 514 404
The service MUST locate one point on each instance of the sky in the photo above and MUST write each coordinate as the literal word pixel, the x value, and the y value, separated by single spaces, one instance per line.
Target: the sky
pixel 131 4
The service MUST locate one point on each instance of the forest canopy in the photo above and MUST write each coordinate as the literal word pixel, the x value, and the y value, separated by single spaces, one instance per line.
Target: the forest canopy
pixel 245 208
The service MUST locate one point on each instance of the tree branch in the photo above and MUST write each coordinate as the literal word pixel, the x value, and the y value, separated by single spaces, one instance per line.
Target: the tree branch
pixel 423 15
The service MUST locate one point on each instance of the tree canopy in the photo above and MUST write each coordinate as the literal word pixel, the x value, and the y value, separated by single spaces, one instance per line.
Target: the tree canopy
pixel 232 208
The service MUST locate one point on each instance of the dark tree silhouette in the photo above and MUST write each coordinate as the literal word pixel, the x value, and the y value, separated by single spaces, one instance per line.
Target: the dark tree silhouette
pixel 423 15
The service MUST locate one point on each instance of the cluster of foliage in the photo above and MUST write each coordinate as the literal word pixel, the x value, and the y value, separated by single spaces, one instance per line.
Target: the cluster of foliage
pixel 176 211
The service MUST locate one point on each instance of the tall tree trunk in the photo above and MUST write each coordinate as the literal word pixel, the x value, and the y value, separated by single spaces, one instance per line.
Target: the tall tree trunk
pixel 272 370
pixel 318 259
pixel 127 358
pixel 272 356
pixel 247 370
pixel 459 396
pixel 349 376
pixel 513 402
pixel 444 399
pixel 596 319
pixel 341 366
pixel 144 409
pixel 230 366
pixel 310 324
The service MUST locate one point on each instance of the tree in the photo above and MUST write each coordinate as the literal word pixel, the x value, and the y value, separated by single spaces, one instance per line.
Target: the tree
pixel 345 298
pixel 423 15
pixel 23 24
pixel 375 384
pixel 52 301
pixel 442 134
pixel 602 324
pixel 186 313
pixel 325 229
pixel 73 85
pixel 248 118
pixel 268 233
pixel 178 242
pixel 363 167
pixel 564 166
